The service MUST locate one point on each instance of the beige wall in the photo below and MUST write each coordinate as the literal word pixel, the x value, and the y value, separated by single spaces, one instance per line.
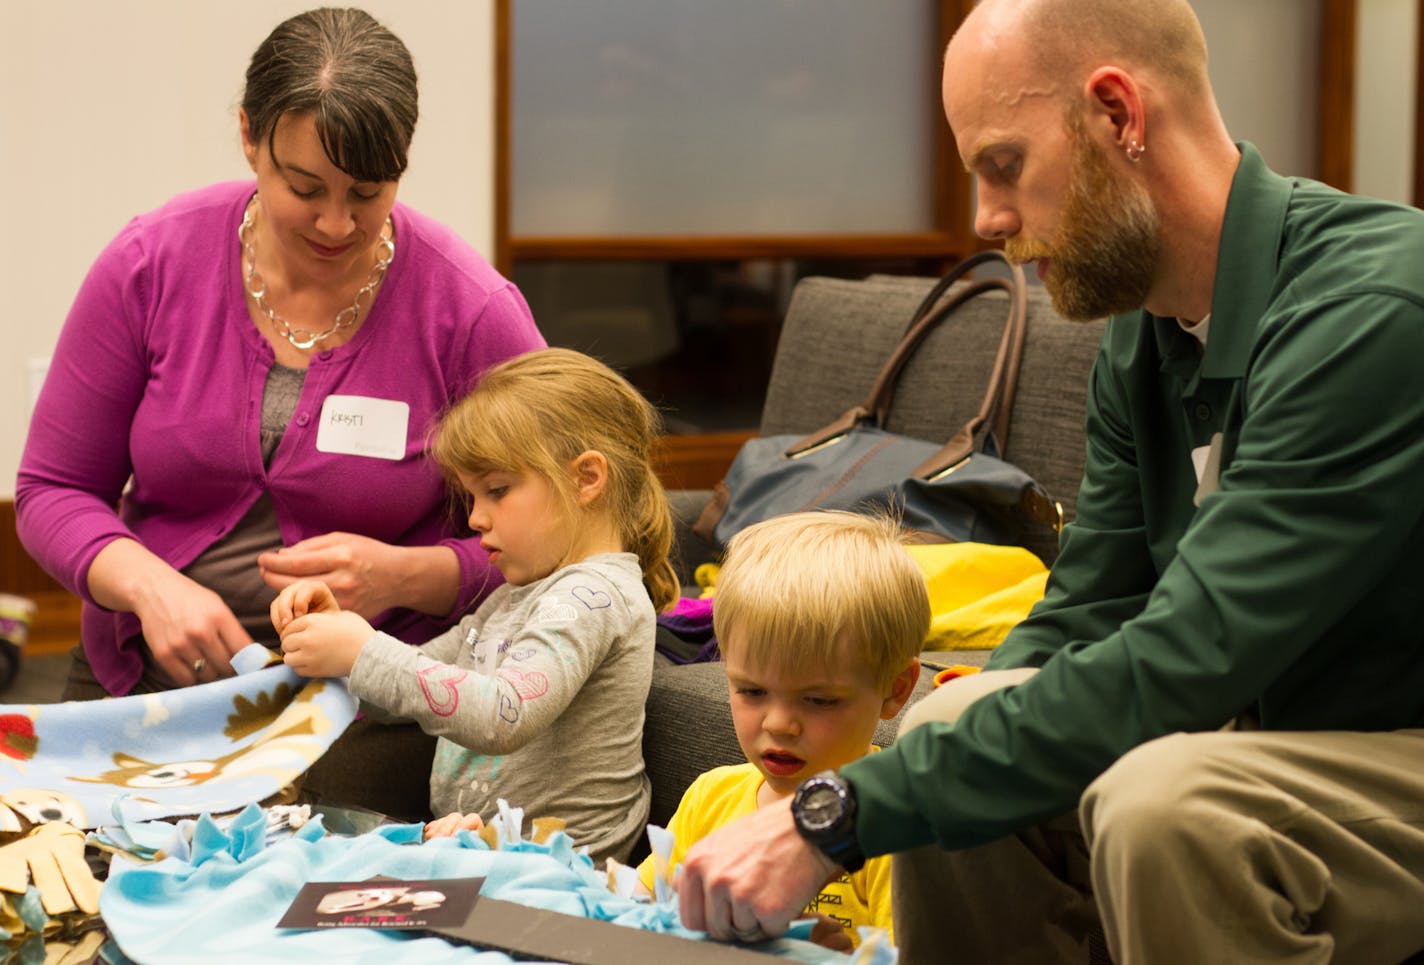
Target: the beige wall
pixel 111 107
pixel 1386 79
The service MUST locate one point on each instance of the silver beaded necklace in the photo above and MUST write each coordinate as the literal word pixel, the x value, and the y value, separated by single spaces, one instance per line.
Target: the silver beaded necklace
pixel 303 338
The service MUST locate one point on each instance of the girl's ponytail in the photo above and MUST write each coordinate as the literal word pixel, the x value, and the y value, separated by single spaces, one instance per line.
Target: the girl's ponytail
pixel 649 535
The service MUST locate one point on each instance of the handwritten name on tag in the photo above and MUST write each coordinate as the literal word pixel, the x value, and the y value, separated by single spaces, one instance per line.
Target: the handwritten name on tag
pixel 356 425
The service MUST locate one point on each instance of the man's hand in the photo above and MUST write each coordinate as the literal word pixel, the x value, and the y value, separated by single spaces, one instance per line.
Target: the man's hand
pixel 748 880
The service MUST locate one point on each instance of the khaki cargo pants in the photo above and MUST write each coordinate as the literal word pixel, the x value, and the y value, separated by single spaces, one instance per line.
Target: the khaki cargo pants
pixel 1233 846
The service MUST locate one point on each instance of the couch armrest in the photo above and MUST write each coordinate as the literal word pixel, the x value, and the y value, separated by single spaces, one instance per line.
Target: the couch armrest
pixel 688 549
pixel 688 730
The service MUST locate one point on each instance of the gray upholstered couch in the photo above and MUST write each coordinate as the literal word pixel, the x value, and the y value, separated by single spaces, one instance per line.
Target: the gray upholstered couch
pixel 835 336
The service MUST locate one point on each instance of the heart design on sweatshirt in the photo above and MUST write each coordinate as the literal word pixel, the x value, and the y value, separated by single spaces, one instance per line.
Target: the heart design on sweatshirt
pixel 527 685
pixel 591 598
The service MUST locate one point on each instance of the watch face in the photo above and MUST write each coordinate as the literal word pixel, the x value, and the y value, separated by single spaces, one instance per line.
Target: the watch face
pixel 824 809
pixel 821 807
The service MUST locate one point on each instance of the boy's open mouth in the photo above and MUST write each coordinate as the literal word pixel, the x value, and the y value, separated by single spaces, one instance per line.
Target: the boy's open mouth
pixel 781 764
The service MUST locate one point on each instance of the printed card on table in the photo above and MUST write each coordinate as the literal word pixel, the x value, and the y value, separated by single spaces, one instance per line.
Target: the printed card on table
pixel 383 903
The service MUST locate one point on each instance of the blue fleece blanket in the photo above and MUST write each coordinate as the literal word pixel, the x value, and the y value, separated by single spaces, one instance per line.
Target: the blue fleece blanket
pixel 220 904
pixel 210 748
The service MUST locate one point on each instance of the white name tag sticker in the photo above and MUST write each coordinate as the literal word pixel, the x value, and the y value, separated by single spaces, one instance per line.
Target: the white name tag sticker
pixel 355 425
pixel 1207 461
pixel 1199 457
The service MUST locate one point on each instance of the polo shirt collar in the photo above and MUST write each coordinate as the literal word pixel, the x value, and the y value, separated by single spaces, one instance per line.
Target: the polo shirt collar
pixel 1246 263
pixel 1245 273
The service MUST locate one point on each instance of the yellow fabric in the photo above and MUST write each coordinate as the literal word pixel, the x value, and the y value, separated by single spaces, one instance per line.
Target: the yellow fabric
pixel 52 856
pixel 724 794
pixel 978 591
pixel 706 578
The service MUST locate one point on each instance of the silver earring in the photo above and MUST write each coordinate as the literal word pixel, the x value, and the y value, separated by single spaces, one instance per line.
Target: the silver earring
pixel 1135 151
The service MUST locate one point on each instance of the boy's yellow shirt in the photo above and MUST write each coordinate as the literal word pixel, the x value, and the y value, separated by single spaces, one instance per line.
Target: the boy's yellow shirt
pixel 725 794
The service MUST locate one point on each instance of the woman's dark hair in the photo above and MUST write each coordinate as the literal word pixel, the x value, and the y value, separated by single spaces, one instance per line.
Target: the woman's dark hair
pixel 352 75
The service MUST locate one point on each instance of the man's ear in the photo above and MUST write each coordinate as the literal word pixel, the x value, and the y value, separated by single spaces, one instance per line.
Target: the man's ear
pixel 900 689
pixel 1112 95
pixel 590 472
pixel 249 146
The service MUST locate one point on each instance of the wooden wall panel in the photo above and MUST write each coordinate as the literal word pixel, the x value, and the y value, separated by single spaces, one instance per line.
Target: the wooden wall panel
pixel 56 624
pixel 697 461
pixel 18 573
pixel 1336 132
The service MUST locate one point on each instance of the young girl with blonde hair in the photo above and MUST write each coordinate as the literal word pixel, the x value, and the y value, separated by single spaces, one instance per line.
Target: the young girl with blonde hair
pixel 537 697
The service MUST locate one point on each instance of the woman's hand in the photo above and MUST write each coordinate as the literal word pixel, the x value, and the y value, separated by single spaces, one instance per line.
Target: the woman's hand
pixel 351 566
pixel 190 631
pixel 368 576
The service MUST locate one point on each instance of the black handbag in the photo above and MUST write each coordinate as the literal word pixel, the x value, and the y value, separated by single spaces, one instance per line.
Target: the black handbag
pixel 960 491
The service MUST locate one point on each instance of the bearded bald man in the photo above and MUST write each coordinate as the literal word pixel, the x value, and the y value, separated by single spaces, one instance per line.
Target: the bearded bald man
pixel 1206 744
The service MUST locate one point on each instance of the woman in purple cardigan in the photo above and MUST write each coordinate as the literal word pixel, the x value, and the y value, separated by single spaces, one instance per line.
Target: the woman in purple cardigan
pixel 241 392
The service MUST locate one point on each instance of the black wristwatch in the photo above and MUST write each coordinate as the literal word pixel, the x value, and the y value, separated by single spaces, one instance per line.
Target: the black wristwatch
pixel 824 810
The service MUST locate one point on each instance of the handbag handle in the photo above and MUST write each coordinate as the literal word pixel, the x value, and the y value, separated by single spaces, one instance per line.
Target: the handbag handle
pixel 998 402
pixel 1003 378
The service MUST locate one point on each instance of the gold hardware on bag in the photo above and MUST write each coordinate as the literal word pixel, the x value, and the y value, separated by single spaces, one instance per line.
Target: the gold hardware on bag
pixel 945 472
pixel 817 447
pixel 1043 508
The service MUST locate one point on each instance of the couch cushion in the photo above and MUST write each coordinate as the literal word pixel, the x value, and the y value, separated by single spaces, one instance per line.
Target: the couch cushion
pixel 688 730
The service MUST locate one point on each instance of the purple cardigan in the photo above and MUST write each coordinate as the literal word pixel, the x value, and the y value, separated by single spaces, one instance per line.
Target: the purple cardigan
pixel 157 383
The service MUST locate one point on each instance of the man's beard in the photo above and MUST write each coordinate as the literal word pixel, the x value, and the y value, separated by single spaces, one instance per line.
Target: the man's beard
pixel 1107 249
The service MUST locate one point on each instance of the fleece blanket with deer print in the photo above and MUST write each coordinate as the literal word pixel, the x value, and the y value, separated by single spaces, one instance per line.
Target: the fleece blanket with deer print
pixel 211 748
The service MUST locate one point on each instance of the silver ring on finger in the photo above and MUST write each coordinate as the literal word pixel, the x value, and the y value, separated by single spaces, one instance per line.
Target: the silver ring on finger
pixel 749 935
pixel 198 665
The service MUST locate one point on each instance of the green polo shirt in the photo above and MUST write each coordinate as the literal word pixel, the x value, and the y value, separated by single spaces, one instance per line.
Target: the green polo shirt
pixel 1291 593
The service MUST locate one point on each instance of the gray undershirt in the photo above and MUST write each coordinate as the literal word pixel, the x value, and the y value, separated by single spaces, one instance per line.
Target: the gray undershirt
pixel 229 566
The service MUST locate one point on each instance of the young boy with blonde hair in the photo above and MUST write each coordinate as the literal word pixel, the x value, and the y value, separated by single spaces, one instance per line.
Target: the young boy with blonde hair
pixel 820 618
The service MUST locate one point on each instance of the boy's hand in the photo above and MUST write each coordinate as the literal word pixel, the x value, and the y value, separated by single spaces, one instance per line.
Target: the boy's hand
pixel 324 644
pixel 299 599
pixel 829 933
